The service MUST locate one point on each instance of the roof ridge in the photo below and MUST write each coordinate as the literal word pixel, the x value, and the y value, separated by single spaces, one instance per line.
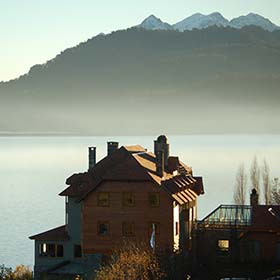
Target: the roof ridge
pixel 145 169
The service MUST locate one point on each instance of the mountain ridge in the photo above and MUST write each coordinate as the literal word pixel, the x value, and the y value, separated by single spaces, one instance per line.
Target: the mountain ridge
pixel 200 21
pixel 138 81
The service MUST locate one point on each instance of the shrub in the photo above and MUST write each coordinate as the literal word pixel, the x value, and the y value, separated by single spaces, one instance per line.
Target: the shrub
pixel 131 262
pixel 21 272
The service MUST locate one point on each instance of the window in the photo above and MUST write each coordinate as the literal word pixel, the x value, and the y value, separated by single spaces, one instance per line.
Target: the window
pixel 128 229
pixel 154 199
pixel 223 245
pixel 103 199
pixel 151 228
pixel 77 251
pixel 59 251
pixel 51 250
pixel 103 228
pixel 128 199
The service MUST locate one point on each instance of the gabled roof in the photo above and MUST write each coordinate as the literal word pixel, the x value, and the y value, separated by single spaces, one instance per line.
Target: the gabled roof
pixel 130 163
pixel 55 234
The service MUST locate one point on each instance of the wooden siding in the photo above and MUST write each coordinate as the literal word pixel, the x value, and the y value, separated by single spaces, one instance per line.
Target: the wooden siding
pixel 267 242
pixel 142 214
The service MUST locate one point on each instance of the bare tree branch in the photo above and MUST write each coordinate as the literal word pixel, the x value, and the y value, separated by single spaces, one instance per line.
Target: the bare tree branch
pixel 240 188
pixel 275 191
pixel 266 183
pixel 255 175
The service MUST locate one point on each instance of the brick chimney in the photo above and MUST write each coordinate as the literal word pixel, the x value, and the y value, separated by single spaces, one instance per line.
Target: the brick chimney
pixel 91 157
pixel 161 150
pixel 254 197
pixel 112 147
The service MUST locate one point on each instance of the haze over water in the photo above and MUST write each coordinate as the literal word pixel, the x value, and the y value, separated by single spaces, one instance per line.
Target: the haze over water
pixel 33 171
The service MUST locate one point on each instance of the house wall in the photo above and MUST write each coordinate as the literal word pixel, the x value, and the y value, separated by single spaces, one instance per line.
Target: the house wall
pixel 73 220
pixel 176 223
pixel 73 212
pixel 260 246
pixel 188 215
pixel 207 250
pixel 45 263
pixel 141 214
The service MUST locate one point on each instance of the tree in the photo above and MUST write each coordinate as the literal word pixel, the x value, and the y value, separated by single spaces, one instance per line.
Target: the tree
pixel 275 191
pixel 131 262
pixel 5 273
pixel 240 187
pixel 266 183
pixel 21 272
pixel 255 175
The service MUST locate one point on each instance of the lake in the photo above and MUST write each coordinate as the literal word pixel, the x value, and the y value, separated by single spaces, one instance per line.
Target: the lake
pixel 33 171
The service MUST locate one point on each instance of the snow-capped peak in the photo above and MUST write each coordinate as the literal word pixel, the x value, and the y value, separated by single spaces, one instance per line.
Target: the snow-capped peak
pixel 253 19
pixel 201 21
pixel 154 23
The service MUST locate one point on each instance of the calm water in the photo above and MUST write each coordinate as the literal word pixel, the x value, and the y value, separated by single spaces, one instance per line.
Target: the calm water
pixel 33 171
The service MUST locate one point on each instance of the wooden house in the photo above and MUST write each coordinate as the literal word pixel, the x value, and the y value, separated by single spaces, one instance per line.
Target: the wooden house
pixel 239 241
pixel 125 196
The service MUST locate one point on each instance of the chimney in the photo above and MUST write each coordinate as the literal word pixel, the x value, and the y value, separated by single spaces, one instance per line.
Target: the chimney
pixel 112 147
pixel 91 157
pixel 161 150
pixel 254 198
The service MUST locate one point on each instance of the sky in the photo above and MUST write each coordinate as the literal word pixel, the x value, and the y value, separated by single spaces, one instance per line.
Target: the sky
pixel 34 31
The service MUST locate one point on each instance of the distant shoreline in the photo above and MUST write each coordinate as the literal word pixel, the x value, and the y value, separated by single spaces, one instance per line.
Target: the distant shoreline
pixel 55 134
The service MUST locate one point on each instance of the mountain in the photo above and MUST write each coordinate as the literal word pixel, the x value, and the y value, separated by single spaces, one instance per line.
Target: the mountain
pixel 201 21
pixel 137 81
pixel 253 19
pixel 154 23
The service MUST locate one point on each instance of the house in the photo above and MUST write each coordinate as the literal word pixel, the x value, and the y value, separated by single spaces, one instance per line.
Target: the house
pixel 125 196
pixel 239 240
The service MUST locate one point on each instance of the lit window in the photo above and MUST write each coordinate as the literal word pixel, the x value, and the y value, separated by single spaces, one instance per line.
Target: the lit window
pixel 223 244
pixel 103 228
pixel 128 199
pixel 128 229
pixel 154 199
pixel 103 199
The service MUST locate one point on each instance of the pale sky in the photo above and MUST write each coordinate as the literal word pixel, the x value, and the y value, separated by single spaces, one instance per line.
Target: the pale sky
pixel 34 31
